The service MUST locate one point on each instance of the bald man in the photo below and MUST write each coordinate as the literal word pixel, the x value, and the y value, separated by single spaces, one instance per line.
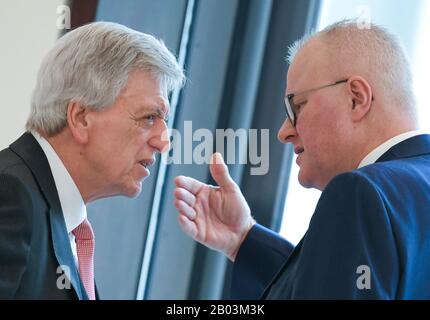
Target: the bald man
pixel 352 120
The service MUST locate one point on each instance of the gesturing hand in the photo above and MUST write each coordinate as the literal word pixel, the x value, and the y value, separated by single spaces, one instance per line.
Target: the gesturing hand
pixel 216 216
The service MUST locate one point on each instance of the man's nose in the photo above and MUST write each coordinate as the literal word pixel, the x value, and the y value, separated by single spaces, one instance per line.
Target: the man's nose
pixel 161 140
pixel 287 132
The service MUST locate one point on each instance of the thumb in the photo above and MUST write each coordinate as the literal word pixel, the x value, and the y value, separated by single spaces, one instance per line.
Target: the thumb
pixel 219 171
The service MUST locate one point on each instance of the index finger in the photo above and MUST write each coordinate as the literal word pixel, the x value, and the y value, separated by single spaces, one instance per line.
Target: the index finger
pixel 190 184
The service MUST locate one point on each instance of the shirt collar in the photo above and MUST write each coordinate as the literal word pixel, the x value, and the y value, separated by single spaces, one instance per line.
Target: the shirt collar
pixel 72 204
pixel 387 145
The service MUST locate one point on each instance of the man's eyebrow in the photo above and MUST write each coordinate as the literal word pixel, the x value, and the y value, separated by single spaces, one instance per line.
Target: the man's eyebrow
pixel 161 111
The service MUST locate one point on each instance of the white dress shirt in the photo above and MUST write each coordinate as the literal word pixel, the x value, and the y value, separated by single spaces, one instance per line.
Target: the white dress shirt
pixel 387 145
pixel 72 204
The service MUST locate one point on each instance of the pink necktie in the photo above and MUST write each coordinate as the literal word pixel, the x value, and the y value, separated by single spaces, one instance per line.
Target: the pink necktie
pixel 85 248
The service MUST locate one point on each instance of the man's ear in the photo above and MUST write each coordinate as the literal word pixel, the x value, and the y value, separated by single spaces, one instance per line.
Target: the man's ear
pixel 77 121
pixel 361 97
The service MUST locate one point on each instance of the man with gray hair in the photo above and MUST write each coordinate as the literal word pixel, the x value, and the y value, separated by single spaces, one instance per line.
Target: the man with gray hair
pixel 98 117
pixel 352 120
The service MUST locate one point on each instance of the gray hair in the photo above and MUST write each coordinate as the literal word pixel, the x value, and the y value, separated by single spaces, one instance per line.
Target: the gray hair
pixel 371 50
pixel 91 65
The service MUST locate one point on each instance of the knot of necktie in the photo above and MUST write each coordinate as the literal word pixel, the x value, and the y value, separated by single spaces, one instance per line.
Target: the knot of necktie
pixel 84 231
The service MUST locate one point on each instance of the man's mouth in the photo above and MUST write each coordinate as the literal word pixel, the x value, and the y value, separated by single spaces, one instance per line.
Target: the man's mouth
pixel 147 163
pixel 299 150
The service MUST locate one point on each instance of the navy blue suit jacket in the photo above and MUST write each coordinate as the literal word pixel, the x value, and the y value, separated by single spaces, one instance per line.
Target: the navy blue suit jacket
pixel 377 216
pixel 33 237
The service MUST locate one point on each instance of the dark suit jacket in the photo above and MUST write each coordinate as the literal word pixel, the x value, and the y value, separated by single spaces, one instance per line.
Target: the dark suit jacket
pixel 377 216
pixel 33 235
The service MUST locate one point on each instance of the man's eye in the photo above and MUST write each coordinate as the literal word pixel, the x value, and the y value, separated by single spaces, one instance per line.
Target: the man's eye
pixel 299 105
pixel 146 120
pixel 149 120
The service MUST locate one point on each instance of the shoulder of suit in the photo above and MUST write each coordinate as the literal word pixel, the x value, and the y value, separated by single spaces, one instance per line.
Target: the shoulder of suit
pixel 12 164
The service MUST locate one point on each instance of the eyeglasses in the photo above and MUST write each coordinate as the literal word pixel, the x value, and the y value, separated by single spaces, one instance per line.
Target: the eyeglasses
pixel 292 108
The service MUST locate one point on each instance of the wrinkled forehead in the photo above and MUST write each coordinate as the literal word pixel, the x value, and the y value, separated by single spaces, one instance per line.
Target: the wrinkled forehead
pixel 310 66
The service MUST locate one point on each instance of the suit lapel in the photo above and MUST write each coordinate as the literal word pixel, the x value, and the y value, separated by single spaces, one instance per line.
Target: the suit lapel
pixel 27 148
pixel 63 251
